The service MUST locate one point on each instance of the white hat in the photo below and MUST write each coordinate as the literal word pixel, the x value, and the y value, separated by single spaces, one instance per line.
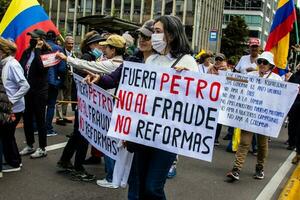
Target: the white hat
pixel 267 55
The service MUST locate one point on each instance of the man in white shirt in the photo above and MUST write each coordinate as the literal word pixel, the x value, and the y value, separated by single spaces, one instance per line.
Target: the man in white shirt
pixel 247 62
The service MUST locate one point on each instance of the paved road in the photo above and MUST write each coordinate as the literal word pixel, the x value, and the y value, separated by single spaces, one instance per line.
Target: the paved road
pixel 39 179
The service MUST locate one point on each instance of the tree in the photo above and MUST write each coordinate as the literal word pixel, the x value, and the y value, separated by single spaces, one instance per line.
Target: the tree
pixel 3 7
pixel 234 38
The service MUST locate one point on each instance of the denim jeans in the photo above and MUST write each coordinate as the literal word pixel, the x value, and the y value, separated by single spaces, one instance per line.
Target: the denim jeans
pixel 148 174
pixel 109 168
pixel 52 96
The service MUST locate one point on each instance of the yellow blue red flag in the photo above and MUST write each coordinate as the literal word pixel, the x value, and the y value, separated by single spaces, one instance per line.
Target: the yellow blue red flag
pixel 279 37
pixel 21 17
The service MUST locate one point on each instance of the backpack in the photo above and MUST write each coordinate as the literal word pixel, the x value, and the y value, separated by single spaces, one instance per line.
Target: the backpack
pixel 5 104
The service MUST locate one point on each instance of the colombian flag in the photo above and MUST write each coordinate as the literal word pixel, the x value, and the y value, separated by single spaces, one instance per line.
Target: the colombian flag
pixel 21 17
pixel 279 38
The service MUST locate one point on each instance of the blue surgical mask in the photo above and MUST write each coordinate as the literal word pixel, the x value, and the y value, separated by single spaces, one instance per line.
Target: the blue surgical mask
pixel 97 53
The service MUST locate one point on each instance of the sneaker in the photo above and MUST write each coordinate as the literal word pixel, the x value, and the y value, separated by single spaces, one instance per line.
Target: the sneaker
pixel 259 172
pixel 83 176
pixel 254 152
pixel 67 166
pixel 60 122
pixel 234 174
pixel 92 161
pixel 39 153
pixel 217 143
pixel 106 184
pixel 9 168
pixel 51 133
pixel 67 120
pixel 172 172
pixel 27 150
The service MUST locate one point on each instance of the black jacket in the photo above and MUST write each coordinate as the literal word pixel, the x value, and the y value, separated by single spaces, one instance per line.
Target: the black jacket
pixel 295 78
pixel 37 75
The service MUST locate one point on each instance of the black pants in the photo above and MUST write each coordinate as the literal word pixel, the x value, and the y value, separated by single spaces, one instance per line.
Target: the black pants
pixel 77 143
pixel 10 148
pixel 294 128
pixel 35 106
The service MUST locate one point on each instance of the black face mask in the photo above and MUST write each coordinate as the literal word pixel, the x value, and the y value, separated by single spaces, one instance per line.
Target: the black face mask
pixel 33 43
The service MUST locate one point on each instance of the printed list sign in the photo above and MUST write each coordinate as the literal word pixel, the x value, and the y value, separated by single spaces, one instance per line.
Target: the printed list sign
pixel 50 59
pixel 165 109
pixel 95 107
pixel 256 104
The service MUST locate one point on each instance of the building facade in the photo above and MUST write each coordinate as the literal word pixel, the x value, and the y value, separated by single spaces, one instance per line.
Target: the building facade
pixel 202 19
pixel 258 15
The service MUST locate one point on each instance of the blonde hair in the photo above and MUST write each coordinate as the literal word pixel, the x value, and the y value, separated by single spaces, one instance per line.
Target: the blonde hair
pixel 8 47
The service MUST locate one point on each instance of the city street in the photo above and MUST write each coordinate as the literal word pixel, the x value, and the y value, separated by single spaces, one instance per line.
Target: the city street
pixel 40 180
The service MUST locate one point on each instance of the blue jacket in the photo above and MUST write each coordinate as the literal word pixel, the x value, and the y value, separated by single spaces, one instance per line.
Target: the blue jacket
pixel 56 73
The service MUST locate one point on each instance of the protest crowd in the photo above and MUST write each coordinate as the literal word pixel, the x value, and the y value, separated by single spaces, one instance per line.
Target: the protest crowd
pixel 38 95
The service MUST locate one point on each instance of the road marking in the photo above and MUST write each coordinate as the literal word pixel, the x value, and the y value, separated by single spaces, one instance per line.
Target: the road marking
pixel 274 183
pixel 56 146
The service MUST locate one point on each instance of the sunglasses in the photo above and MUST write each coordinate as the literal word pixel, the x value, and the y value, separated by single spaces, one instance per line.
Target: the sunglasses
pixel 262 61
pixel 144 37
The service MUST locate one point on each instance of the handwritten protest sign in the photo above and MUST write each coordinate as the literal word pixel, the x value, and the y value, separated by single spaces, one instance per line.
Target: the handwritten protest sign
pixel 256 104
pixel 50 59
pixel 165 109
pixel 95 107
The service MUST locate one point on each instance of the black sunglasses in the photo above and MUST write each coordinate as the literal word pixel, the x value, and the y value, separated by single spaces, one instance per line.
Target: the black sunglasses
pixel 144 37
pixel 262 61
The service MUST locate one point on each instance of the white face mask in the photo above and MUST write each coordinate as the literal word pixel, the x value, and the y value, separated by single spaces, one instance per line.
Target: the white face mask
pixel 158 43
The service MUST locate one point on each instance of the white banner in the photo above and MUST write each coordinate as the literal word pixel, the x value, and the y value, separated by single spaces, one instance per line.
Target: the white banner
pixel 95 107
pixel 165 109
pixel 256 104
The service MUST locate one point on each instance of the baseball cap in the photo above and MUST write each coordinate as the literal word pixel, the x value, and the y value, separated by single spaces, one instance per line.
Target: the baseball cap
pixel 37 33
pixel 147 28
pixel 254 42
pixel 115 41
pixel 267 55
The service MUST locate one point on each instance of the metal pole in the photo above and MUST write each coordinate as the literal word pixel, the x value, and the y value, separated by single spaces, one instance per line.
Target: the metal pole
pixel 194 26
pixel 74 19
pixel 163 7
pixel 83 14
pixel 152 9
pixel 66 16
pixel 131 10
pixel 142 11
pixel 103 7
pixel 122 9
pixel 184 12
pixel 50 8
pixel 112 8
pixel 94 7
pixel 57 13
pixel 174 8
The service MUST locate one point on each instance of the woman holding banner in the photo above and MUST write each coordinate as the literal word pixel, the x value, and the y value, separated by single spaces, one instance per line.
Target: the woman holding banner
pixel 265 64
pixel 150 166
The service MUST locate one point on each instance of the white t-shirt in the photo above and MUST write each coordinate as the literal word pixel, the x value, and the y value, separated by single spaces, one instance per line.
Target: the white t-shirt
pixel 244 63
pixel 272 75
pixel 167 61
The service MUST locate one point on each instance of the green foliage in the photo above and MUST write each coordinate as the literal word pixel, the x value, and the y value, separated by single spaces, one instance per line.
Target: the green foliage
pixel 235 37
pixel 3 7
